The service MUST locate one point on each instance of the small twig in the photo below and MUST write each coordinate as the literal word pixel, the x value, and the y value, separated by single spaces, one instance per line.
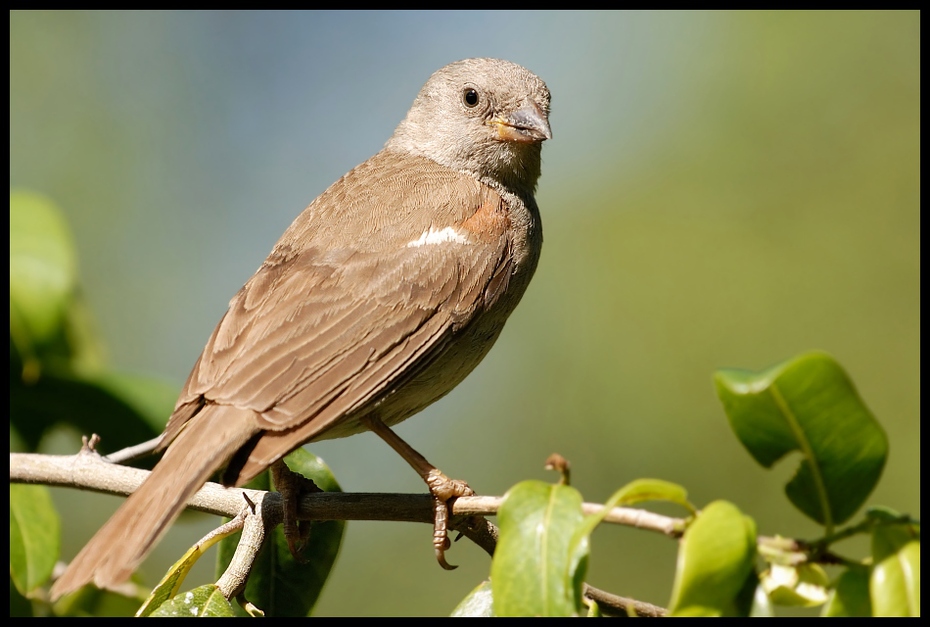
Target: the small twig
pixel 256 525
pixel 131 453
pixel 230 527
pixel 793 552
pixel 614 605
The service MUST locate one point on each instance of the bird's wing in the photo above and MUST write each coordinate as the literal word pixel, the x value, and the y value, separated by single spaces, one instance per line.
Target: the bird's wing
pixel 327 328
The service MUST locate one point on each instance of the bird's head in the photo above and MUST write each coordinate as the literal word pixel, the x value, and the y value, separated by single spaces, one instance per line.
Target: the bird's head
pixel 488 117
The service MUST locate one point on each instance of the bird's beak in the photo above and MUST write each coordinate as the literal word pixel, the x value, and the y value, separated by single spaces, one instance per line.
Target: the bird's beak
pixel 526 125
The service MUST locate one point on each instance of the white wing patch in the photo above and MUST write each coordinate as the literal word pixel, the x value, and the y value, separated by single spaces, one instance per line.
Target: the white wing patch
pixel 433 236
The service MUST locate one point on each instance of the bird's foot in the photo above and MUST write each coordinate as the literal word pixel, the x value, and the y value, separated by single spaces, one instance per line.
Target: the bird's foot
pixel 444 491
pixel 292 486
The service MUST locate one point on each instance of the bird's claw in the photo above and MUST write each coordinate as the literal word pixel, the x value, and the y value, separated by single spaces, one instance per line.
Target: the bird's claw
pixel 292 486
pixel 444 491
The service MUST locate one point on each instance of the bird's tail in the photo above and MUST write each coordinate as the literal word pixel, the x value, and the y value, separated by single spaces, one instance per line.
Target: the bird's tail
pixel 205 444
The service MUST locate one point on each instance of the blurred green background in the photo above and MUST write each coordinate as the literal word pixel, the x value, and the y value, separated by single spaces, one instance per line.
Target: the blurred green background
pixel 722 189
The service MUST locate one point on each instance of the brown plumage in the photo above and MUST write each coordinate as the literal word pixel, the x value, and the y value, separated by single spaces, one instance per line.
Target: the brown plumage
pixel 378 300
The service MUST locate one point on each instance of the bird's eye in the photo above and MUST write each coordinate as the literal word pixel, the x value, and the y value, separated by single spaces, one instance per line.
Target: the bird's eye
pixel 470 97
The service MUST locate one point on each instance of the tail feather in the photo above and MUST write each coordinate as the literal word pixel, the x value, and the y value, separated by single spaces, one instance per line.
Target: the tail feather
pixel 205 444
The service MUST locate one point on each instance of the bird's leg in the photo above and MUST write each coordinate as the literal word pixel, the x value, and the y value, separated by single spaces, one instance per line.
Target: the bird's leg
pixel 443 489
pixel 292 486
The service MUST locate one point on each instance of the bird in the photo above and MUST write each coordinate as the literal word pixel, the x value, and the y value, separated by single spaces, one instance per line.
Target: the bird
pixel 380 298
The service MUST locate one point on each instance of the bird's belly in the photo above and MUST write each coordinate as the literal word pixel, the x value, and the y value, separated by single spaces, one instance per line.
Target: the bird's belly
pixel 468 347
pixel 433 382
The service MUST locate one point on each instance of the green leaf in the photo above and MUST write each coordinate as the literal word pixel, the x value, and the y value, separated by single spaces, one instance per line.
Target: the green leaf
pixel 43 271
pixel 761 605
pixel 891 533
pixel 122 409
pixel 594 610
pixel 531 570
pixel 151 399
pixel 92 601
pixel 35 531
pixel 205 601
pixel 894 584
pixel 804 585
pixel 305 463
pixel 636 491
pixel 883 514
pixel 168 587
pixel 279 584
pixel 850 595
pixel 715 564
pixel 479 603
pixel 808 404
pixel 650 490
pixel 20 606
